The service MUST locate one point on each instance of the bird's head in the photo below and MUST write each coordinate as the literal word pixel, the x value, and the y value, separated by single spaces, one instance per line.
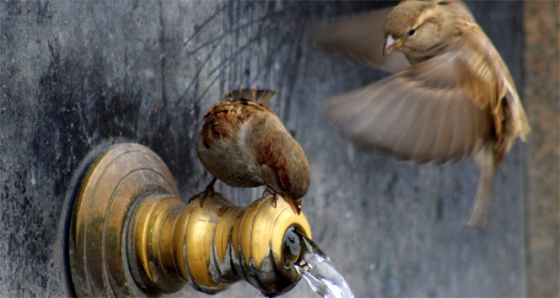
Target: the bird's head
pixel 414 27
pixel 295 204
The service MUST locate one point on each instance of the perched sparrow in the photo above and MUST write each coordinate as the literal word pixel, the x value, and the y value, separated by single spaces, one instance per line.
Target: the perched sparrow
pixel 244 144
pixel 456 100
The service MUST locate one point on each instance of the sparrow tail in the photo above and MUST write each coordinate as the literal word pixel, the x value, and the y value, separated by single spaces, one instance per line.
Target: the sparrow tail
pixel 480 210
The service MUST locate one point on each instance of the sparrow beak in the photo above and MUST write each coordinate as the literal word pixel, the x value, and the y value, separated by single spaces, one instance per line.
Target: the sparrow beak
pixel 295 205
pixel 391 44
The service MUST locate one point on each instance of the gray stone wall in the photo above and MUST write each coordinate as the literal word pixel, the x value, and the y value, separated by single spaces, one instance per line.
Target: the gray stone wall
pixel 78 76
pixel 542 93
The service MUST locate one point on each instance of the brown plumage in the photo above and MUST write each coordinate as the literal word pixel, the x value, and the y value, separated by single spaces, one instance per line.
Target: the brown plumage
pixel 244 144
pixel 456 99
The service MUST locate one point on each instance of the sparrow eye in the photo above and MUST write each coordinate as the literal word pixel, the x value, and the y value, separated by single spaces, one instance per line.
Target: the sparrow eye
pixel 411 32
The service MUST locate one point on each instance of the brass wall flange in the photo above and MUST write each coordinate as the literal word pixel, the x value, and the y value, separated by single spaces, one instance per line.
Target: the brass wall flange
pixel 132 235
pixel 123 175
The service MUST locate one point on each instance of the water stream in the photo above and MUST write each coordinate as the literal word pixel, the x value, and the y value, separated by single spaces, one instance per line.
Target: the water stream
pixel 317 268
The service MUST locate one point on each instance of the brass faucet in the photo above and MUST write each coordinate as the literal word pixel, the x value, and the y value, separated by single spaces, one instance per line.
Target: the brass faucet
pixel 131 234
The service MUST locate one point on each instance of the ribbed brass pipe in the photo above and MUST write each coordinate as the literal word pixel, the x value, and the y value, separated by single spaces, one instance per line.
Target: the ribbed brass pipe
pixel 211 243
pixel 132 235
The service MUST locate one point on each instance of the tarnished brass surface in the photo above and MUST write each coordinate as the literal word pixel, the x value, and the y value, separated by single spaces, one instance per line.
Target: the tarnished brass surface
pixel 150 250
pixel 132 234
pixel 122 175
pixel 257 240
pixel 198 243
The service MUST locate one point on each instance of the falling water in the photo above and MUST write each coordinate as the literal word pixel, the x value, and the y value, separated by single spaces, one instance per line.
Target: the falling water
pixel 319 272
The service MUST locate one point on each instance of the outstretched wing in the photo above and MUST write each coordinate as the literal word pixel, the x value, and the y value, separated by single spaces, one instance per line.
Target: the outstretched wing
pixel 435 111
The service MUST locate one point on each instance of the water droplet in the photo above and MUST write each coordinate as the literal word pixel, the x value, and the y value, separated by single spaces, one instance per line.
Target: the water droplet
pixel 33 179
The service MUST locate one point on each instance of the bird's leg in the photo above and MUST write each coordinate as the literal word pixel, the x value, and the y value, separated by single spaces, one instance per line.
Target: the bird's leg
pixel 276 197
pixel 271 192
pixel 208 191
pixel 275 201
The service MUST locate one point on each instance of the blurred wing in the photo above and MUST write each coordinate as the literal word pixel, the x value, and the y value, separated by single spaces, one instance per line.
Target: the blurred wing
pixel 361 37
pixel 424 113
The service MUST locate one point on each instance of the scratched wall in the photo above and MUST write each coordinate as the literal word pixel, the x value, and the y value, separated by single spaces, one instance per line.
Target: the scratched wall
pixel 78 76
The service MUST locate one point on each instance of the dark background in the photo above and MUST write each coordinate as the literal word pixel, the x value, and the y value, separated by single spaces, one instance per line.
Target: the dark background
pixel 78 76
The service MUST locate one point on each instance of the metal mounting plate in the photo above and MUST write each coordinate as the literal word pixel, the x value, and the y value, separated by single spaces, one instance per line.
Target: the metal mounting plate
pixel 114 182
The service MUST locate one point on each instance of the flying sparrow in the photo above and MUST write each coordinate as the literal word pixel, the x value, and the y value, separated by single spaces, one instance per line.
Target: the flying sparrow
pixel 456 99
pixel 244 144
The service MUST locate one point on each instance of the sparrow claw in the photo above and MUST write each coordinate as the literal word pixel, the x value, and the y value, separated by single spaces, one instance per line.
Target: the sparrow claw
pixel 207 192
pixel 199 196
pixel 271 192
pixel 275 201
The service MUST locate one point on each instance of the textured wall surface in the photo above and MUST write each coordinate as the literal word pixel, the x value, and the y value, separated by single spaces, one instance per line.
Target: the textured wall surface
pixel 78 76
pixel 542 93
